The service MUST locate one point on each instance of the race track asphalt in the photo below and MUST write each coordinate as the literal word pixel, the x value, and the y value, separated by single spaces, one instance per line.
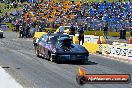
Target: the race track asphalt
pixel 17 57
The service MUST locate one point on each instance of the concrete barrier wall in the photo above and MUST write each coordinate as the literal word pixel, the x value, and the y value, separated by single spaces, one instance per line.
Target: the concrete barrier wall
pixel 119 50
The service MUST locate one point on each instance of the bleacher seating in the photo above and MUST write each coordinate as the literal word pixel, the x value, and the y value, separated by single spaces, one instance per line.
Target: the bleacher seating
pixel 113 13
pixel 117 14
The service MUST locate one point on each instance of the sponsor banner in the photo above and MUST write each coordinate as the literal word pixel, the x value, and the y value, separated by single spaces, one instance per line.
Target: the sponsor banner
pixel 94 39
pixel 103 78
pixel 88 38
pixel 120 51
pixel 91 38
pixel 123 51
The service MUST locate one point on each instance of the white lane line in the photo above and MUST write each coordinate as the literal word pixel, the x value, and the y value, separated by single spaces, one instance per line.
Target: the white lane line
pixel 29 40
pixel 24 39
pixel 6 81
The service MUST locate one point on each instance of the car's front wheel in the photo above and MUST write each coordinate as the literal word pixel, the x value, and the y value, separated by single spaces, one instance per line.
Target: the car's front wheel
pixel 85 61
pixel 53 58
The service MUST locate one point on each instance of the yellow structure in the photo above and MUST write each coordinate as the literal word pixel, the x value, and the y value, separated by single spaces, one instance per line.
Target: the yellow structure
pixel 66 29
pixel 91 47
pixel 50 29
pixel 75 40
pixel 39 34
pixel 103 41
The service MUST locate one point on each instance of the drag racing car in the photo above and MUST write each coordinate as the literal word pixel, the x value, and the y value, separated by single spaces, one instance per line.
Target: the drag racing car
pixel 59 47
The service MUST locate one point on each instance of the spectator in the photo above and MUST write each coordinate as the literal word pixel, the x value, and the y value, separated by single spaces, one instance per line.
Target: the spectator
pixel 131 31
pixel 32 30
pixel 61 28
pixel 124 33
pixel 27 31
pixel 28 20
pixel 17 25
pixel 81 34
pixel 106 31
pixel 121 33
pixel 21 32
pixel 72 30
pixel 0 20
pixel 40 28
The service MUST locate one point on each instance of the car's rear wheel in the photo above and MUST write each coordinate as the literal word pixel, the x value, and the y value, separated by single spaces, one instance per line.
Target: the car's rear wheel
pixel 37 51
pixel 1 35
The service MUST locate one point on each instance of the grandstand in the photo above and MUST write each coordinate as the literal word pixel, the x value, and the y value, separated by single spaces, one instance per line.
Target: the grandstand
pixel 117 14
